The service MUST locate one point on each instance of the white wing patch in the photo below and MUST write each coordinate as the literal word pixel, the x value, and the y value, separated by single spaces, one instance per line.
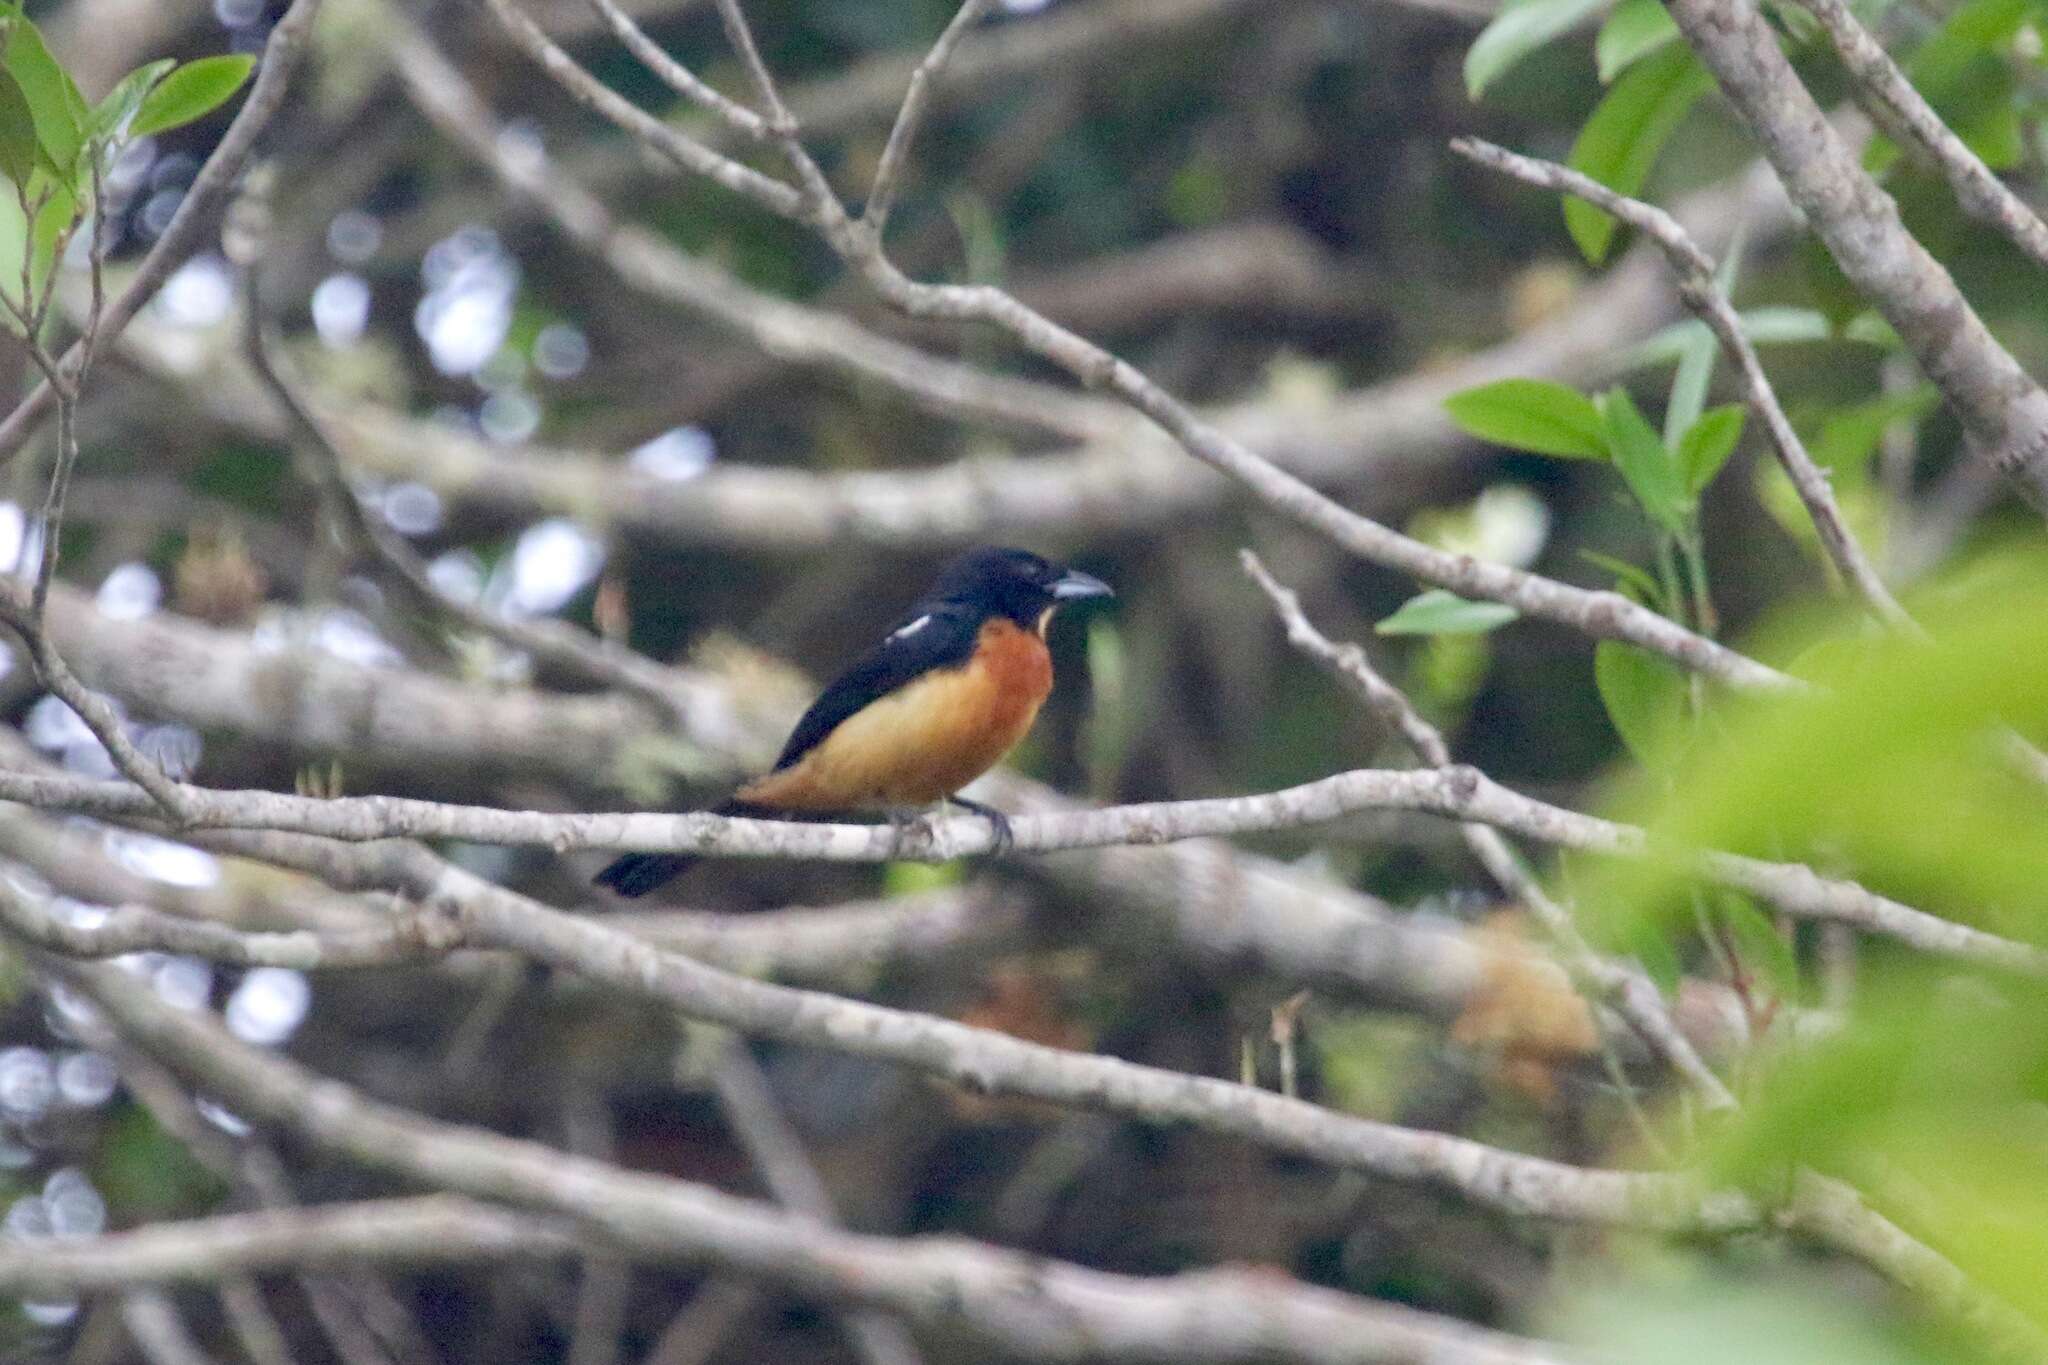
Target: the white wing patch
pixel 905 632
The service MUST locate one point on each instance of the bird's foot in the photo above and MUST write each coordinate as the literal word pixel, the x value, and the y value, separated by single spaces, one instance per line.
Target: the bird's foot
pixel 916 831
pixel 1005 837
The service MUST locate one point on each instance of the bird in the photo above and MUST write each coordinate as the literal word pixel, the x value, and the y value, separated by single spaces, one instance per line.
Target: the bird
pixel 951 688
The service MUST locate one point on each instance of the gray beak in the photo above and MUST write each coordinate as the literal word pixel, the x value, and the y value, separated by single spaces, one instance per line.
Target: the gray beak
pixel 1073 585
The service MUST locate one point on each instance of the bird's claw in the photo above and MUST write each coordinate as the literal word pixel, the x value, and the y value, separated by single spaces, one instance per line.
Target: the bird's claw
pixel 1005 838
pixel 915 831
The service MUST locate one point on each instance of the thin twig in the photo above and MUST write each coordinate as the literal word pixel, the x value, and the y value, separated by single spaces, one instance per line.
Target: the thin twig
pixel 69 393
pixel 173 798
pixel 1014 1304
pixel 675 75
pixel 197 211
pixel 51 518
pixel 652 267
pixel 2000 406
pixel 590 657
pixel 256 1328
pixel 896 152
pixel 817 204
pixel 267 1088
pixel 416 936
pixel 1906 115
pixel 777 1151
pixel 674 145
pixel 1599 978
pixel 1605 615
pixel 1697 286
pixel 1457 792
pixel 158 1331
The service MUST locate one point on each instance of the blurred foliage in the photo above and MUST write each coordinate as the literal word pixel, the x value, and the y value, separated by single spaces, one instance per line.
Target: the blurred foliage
pixel 1922 1083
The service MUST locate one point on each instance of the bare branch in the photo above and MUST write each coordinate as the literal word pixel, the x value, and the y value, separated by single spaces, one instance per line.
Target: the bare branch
pixel 312 703
pixel 848 942
pixel 651 266
pixel 819 205
pixel 1998 404
pixel 1456 792
pixel 685 151
pixel 70 387
pixel 99 717
pixel 661 1217
pixel 1605 615
pixel 413 937
pixel 1061 38
pixel 1379 443
pixel 256 1328
pixel 1222 905
pixel 1833 1214
pixel 896 153
pixel 589 657
pixel 274 1090
pixel 51 518
pixel 158 1331
pixel 419 1232
pixel 777 1152
pixel 1043 1310
pixel 1695 271
pixel 1600 978
pixel 1907 116
pixel 675 75
pixel 196 212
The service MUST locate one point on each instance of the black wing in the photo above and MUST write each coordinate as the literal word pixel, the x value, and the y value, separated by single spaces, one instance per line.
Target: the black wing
pixel 938 636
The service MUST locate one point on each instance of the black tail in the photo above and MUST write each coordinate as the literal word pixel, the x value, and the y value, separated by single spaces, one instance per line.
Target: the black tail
pixel 636 874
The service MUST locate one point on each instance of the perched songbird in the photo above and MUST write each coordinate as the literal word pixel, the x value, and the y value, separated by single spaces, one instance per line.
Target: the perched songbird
pixel 936 704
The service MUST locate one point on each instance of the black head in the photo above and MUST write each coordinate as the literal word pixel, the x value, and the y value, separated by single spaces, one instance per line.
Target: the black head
pixel 1014 583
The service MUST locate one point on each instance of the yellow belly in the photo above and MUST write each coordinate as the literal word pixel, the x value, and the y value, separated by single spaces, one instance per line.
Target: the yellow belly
pixel 925 740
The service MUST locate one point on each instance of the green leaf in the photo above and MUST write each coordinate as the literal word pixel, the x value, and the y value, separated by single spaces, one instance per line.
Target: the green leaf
pixel 191 92
pixel 39 244
pixel 1644 696
pixel 17 133
pixel 1689 384
pixel 1984 111
pixel 1781 325
pixel 1519 29
pixel 57 215
pixel 13 243
pixel 1849 437
pixel 1620 142
pixel 1947 61
pixel 1696 361
pixel 1870 328
pixel 110 117
pixel 908 879
pixel 51 94
pixel 1531 414
pixel 1645 463
pixel 1987 119
pixel 1634 30
pixel 1437 612
pixel 1629 579
pixel 1963 72
pixel 1707 444
pixel 1775 325
pixel 147 1174
pixel 1763 950
pixel 1658 958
